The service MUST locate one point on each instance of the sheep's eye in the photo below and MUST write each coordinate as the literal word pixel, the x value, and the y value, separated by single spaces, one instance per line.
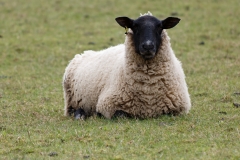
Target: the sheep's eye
pixel 135 25
pixel 135 30
pixel 159 30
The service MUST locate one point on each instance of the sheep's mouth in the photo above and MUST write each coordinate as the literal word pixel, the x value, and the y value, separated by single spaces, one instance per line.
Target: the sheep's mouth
pixel 148 55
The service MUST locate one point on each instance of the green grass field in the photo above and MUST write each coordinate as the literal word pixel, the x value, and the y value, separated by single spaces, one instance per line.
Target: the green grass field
pixel 39 38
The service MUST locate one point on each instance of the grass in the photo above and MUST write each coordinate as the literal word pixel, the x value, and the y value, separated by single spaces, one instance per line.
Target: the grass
pixel 37 40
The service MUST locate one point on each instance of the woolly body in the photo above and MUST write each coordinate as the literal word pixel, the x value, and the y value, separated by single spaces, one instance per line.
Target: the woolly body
pixel 119 79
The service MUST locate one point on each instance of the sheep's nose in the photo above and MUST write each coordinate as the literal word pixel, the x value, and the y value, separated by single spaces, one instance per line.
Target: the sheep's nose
pixel 148 45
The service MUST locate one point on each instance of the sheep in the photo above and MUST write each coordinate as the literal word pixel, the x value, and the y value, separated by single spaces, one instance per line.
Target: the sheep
pixel 142 77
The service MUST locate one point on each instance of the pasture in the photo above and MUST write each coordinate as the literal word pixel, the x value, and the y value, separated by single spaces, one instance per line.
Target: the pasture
pixel 39 38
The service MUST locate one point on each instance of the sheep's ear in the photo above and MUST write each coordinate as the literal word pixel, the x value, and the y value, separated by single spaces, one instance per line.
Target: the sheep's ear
pixel 124 22
pixel 170 22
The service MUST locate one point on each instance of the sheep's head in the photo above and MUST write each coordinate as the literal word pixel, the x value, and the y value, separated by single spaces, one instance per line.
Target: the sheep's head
pixel 147 32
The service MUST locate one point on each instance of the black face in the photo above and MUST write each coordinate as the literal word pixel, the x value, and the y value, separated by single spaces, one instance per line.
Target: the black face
pixel 147 32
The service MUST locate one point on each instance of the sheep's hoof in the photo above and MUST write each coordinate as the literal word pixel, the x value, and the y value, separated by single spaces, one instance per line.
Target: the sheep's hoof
pixel 70 111
pixel 79 114
pixel 237 105
pixel 99 115
pixel 121 114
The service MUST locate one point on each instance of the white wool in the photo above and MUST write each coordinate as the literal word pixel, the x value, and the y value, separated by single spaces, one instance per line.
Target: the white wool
pixel 117 78
pixel 148 13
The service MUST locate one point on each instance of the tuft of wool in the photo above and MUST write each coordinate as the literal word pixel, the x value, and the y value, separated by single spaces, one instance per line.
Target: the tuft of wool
pixel 148 13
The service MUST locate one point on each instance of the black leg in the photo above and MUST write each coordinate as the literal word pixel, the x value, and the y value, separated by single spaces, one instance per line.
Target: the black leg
pixel 70 111
pixel 79 114
pixel 122 114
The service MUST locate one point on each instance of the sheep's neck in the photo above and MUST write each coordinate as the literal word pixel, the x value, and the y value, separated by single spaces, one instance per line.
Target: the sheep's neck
pixel 146 71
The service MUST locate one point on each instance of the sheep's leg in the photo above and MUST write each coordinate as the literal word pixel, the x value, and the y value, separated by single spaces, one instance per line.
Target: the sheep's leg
pixel 105 111
pixel 79 114
pixel 105 107
pixel 117 114
pixel 121 114
pixel 68 109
